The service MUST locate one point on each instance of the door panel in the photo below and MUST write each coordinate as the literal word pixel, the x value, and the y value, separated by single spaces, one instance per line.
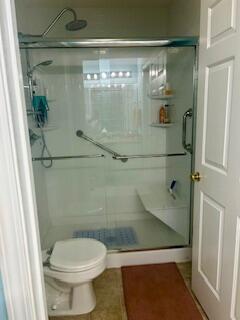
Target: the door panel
pixel 210 245
pixel 217 110
pixel 219 28
pixel 217 196
pixel 235 308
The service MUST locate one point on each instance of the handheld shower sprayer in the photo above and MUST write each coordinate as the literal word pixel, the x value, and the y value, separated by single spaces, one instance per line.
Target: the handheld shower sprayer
pixel 43 63
pixel 39 124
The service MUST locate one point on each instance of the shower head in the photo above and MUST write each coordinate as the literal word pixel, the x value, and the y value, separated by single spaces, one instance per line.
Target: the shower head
pixel 73 25
pixel 43 63
pixel 76 25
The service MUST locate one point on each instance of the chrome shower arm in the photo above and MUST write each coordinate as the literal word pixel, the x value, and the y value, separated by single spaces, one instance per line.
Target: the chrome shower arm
pixel 55 20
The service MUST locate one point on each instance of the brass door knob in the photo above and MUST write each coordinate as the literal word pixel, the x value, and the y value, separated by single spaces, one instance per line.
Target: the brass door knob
pixel 196 176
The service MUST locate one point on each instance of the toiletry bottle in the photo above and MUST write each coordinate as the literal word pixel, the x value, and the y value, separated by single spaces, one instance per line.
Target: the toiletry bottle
pixel 168 90
pixel 167 116
pixel 162 115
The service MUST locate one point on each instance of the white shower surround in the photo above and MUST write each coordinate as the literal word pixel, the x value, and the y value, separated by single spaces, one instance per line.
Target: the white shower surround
pixel 101 192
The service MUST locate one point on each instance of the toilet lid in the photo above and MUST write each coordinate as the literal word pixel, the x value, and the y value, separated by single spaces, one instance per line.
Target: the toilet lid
pixel 77 254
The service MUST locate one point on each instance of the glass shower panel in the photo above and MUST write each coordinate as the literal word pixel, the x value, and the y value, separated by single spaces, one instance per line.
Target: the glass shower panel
pixel 114 96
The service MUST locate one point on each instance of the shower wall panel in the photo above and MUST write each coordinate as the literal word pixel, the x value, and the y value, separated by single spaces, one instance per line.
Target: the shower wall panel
pixel 38 170
pixel 114 95
pixel 98 191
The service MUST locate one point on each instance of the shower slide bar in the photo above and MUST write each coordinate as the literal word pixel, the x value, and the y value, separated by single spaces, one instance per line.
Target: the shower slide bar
pixel 84 156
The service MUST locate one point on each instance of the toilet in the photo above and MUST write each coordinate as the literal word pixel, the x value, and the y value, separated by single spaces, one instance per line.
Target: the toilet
pixel 68 271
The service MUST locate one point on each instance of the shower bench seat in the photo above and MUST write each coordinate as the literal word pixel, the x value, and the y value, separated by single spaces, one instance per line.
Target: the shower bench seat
pixel 173 212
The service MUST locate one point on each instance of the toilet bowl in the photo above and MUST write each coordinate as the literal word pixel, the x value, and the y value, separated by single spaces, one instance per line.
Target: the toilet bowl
pixel 69 271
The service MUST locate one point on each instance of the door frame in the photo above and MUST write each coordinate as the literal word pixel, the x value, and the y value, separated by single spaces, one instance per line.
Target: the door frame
pixel 20 253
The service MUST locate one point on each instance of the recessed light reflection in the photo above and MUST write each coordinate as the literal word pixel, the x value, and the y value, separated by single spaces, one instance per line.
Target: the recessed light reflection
pixel 107 86
pixel 104 75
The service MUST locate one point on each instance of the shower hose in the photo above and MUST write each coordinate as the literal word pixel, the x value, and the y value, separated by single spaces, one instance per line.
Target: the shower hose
pixel 45 149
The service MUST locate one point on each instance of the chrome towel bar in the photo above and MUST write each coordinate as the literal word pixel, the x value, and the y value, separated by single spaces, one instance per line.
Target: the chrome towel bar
pixel 84 156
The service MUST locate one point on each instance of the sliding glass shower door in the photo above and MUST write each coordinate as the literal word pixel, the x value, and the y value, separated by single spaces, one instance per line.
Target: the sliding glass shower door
pixel 131 101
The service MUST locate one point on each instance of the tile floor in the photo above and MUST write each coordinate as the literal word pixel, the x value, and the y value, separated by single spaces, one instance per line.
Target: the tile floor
pixel 110 301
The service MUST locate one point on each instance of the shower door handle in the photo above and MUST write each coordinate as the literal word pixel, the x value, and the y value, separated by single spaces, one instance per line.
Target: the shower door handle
pixel 186 146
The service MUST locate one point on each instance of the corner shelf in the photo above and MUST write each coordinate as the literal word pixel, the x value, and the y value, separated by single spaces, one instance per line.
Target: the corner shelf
pixel 161 97
pixel 49 128
pixel 161 125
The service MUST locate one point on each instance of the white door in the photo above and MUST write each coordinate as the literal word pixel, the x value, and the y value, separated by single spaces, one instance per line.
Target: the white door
pixel 216 229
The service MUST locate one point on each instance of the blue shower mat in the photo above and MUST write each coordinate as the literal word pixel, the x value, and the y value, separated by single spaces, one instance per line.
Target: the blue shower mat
pixel 114 237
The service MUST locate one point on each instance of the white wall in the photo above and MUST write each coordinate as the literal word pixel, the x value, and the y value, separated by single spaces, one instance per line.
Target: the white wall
pixel 102 22
pixel 179 18
pixel 183 18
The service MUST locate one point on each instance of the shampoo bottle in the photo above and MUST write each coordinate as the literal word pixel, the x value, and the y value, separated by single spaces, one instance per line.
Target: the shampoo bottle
pixel 162 115
pixel 167 116
pixel 168 90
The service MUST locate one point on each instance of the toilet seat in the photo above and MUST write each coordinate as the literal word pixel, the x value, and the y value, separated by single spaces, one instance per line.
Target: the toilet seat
pixel 76 255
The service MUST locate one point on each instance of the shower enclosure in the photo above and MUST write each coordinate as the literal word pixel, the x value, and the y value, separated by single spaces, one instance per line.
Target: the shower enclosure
pixel 104 165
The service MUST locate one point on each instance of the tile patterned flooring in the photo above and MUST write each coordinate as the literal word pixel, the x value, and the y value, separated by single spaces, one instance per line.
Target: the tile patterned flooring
pixel 110 301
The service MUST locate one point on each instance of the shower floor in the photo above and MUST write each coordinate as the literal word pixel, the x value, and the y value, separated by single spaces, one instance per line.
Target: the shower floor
pixel 151 233
pixel 113 238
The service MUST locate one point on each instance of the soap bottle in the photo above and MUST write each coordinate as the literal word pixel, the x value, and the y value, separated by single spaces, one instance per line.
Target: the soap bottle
pixel 166 116
pixel 168 90
pixel 162 115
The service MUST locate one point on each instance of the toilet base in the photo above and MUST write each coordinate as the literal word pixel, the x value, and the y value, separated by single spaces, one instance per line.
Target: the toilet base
pixel 80 299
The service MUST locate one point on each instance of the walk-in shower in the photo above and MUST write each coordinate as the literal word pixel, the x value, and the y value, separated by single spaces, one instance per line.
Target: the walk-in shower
pixel 120 119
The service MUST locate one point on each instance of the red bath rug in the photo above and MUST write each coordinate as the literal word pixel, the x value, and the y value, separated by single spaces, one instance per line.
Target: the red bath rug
pixel 157 292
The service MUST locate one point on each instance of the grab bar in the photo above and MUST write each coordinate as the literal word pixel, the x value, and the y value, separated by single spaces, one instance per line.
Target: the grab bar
pixel 84 156
pixel 186 146
pixel 124 158
pixel 81 134
pixel 142 156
